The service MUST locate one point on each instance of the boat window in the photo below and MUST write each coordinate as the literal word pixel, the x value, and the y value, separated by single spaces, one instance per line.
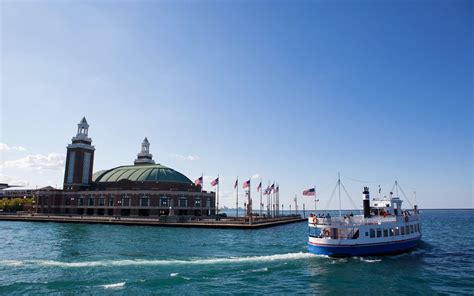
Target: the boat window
pixel 402 230
pixel 366 233
pixel 407 229
pixel 411 228
pixel 385 232
pixel 391 231
pixel 397 231
pixel 372 233
pixel 379 232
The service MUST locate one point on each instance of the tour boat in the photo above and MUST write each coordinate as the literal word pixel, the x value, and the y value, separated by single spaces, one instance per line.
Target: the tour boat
pixel 384 228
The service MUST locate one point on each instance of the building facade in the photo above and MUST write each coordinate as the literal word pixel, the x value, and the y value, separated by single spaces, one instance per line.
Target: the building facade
pixel 144 189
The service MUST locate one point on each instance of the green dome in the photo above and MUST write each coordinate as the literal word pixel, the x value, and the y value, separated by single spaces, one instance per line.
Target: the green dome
pixel 141 173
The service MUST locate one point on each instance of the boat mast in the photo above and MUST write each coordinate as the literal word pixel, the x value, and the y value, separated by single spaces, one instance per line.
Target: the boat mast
pixel 339 184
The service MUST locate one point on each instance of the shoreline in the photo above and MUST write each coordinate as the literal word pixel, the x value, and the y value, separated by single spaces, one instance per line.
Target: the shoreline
pixel 223 224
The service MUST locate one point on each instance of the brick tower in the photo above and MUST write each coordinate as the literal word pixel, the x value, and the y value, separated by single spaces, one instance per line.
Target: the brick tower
pixel 79 160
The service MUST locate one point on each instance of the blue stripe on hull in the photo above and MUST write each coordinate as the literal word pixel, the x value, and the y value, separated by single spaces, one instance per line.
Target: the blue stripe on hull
pixel 366 250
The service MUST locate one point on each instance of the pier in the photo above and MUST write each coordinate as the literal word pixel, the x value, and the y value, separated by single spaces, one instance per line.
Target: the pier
pixel 228 223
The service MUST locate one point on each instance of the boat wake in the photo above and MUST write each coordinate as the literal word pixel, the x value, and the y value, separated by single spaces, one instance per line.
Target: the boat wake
pixel 114 286
pixel 142 262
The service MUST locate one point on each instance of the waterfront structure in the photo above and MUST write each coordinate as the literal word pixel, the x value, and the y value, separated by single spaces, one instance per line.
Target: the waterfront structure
pixel 143 189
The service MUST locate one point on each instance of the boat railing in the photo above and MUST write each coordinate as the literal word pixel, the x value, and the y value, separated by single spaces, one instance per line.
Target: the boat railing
pixel 358 220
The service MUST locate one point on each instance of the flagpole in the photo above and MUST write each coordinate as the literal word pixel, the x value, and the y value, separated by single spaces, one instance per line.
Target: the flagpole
pixel 249 201
pixel 237 198
pixel 268 200
pixel 261 204
pixel 315 199
pixel 217 210
pixel 202 194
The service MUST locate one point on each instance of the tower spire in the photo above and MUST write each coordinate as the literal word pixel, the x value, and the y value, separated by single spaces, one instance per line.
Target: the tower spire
pixel 145 157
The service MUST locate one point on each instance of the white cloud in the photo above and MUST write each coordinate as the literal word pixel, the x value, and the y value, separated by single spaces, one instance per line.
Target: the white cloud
pixel 256 176
pixel 186 157
pixel 52 161
pixel 13 180
pixel 5 147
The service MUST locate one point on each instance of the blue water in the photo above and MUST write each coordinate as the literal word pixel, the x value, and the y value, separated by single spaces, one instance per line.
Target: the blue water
pixel 44 258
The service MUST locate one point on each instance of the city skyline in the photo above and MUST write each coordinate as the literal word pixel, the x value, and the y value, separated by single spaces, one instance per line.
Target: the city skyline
pixel 377 92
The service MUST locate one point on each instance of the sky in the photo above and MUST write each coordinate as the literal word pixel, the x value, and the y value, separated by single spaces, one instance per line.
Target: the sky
pixel 292 92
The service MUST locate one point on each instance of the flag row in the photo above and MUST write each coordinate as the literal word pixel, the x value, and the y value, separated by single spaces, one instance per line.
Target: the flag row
pixel 246 184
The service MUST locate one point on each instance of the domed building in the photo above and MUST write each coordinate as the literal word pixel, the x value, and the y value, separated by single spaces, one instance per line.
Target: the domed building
pixel 143 189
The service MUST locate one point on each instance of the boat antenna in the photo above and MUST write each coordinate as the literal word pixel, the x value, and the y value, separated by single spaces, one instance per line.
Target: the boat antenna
pixel 339 185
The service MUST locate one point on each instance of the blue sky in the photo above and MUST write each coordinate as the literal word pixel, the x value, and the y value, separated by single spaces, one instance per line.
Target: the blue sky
pixel 291 91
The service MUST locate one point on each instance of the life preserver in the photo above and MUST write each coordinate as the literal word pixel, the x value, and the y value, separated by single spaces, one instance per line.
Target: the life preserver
pixel 326 232
pixel 406 218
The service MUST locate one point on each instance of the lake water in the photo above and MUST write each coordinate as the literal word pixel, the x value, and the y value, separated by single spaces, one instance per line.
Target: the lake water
pixel 42 258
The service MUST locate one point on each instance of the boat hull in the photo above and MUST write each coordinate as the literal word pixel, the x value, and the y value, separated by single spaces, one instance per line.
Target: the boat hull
pixel 365 249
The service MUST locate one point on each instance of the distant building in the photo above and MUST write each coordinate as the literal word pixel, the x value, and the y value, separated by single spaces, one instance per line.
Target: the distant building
pixel 144 189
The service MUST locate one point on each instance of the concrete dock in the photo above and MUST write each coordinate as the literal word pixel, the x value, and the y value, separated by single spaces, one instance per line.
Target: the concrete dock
pixel 229 223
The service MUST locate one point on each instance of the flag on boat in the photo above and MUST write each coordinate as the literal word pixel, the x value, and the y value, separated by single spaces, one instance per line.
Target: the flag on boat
pixel 236 183
pixel 246 184
pixel 198 181
pixel 259 187
pixel 215 181
pixel 309 192
pixel 272 188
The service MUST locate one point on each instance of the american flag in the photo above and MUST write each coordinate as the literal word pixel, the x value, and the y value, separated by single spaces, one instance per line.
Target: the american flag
pixel 246 184
pixel 215 181
pixel 259 187
pixel 309 192
pixel 272 188
pixel 198 181
pixel 236 183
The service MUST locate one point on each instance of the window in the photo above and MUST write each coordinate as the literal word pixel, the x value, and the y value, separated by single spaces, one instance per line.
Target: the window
pixel 183 202
pixel 366 233
pixel 111 201
pixel 411 228
pixel 125 202
pixel 197 202
pixel 208 202
pixel 385 232
pixel 91 201
pixel 144 202
pixel 397 231
pixel 402 230
pixel 379 232
pixel 372 233
pixel 407 229
pixel 80 201
pixel 101 202
pixel 67 201
pixel 391 231
pixel 164 201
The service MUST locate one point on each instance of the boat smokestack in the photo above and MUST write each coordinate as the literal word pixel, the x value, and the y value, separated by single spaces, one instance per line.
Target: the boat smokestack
pixel 366 197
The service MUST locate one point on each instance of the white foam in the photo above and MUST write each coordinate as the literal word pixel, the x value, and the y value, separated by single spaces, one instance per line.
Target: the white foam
pixel 370 260
pixel 11 262
pixel 173 274
pixel 141 262
pixel 114 286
